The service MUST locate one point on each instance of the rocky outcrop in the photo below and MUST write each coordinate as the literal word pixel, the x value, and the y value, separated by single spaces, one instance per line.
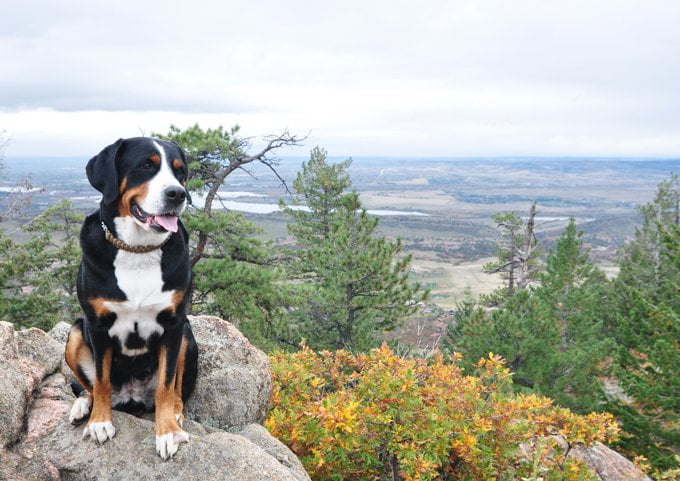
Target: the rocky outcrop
pixel 234 380
pixel 26 357
pixel 37 442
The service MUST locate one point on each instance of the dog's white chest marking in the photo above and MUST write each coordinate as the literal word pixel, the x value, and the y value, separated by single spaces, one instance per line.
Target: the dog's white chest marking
pixel 139 276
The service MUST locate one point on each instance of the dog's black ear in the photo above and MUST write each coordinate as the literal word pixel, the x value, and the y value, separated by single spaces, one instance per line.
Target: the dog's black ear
pixel 102 172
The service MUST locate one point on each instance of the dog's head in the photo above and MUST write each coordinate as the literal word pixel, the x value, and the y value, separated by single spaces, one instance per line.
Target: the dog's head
pixel 143 178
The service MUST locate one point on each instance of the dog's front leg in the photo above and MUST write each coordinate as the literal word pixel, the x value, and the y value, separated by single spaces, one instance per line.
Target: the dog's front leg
pixel 99 427
pixel 168 432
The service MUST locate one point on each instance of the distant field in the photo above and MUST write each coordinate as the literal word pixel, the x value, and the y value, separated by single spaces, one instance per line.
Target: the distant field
pixel 450 282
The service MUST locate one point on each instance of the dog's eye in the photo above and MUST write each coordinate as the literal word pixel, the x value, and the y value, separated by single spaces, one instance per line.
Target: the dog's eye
pixel 146 165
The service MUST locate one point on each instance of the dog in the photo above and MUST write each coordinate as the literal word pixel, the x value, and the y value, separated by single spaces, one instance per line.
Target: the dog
pixel 134 350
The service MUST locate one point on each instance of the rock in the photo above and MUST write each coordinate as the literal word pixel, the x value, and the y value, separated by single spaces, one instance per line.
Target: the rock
pixel 607 464
pixel 37 442
pixel 259 435
pixel 8 344
pixel 53 449
pixel 27 357
pixel 234 378
pixel 13 387
pixel 60 334
pixel 8 463
pixel 42 354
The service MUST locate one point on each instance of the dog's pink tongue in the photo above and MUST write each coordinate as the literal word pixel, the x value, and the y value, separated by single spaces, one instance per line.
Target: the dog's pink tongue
pixel 168 222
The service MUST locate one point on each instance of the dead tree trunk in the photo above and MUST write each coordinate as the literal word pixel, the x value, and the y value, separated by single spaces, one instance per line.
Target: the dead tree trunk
pixel 524 254
pixel 520 251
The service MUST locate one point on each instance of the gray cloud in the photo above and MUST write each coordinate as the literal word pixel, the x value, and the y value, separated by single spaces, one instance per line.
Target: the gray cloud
pixel 532 69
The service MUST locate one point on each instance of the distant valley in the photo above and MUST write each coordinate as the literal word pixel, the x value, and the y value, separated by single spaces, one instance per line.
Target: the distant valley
pixel 440 207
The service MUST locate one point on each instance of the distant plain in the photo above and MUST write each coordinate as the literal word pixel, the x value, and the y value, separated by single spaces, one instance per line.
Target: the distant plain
pixel 444 205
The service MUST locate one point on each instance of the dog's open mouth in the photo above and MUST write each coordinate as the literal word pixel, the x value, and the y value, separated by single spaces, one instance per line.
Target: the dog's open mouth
pixel 158 222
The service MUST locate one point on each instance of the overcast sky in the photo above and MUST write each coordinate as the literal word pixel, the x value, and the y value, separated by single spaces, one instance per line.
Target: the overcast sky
pixel 417 78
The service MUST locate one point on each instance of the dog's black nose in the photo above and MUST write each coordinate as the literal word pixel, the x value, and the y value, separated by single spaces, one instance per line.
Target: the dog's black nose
pixel 175 194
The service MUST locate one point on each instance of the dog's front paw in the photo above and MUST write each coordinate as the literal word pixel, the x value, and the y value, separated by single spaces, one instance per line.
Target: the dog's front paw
pixel 99 431
pixel 80 410
pixel 167 444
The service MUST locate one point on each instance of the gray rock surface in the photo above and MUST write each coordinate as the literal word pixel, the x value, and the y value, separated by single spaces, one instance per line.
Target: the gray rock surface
pixel 26 357
pixel 13 387
pixel 607 464
pixel 260 436
pixel 234 378
pixel 60 334
pixel 38 443
pixel 42 354
pixel 53 449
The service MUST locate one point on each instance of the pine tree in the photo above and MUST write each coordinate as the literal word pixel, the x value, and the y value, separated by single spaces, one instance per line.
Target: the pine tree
pixel 358 286
pixel 570 284
pixel 575 291
pixel 319 188
pixel 645 321
pixel 549 334
pixel 643 262
pixel 364 289
pixel 38 277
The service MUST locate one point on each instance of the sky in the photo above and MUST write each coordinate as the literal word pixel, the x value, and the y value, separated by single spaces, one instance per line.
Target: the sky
pixel 380 78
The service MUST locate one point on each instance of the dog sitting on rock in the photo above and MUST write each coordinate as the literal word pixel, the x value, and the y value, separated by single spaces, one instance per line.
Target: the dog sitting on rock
pixel 134 350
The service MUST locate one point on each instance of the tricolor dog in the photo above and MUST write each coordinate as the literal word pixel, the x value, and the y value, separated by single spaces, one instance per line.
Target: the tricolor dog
pixel 134 350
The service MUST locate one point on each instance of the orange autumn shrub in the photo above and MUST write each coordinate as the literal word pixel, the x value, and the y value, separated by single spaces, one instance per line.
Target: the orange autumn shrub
pixel 379 416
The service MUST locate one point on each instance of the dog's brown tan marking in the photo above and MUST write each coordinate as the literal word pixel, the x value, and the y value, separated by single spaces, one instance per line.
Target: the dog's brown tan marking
pixel 168 431
pixel 165 397
pixel 137 194
pixel 101 395
pixel 176 300
pixel 179 405
pixel 99 306
pixel 156 159
pixel 123 186
pixel 176 164
pixel 77 356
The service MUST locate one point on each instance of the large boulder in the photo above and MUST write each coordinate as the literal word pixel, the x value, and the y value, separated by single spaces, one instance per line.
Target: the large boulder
pixel 13 387
pixel 37 442
pixel 26 358
pixel 234 381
